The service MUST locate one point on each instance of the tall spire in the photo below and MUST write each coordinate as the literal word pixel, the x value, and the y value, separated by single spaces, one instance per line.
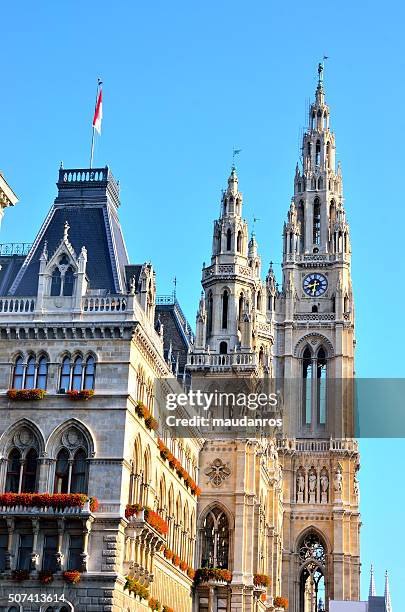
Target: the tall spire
pixel 371 590
pixel 387 594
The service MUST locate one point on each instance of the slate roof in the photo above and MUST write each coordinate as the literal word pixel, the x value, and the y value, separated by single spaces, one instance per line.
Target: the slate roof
pixel 176 330
pixel 90 207
pixel 9 267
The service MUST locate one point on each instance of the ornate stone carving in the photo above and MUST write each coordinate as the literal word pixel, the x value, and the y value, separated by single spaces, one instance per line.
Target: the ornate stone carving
pixel 324 486
pixel 72 438
pixel 217 472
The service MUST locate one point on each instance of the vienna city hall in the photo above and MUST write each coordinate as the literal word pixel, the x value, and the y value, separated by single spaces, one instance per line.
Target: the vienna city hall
pixel 103 507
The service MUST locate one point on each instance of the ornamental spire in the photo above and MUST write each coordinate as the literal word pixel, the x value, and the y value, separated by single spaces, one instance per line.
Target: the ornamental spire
pixel 371 590
pixel 387 594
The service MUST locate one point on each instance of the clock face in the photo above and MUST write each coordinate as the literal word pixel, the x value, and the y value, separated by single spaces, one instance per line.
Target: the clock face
pixel 315 284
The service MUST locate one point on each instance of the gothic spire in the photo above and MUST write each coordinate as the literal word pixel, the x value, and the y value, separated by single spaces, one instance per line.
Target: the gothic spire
pixel 387 594
pixel 371 590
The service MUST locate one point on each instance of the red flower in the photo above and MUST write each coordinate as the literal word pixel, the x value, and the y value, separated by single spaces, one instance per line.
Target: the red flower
pixel 261 580
pixel 168 553
pixel 281 602
pixel 45 577
pixel 72 577
pixel 191 573
pixel 183 566
pixel 154 604
pixel 205 574
pixel 58 501
pixel 26 394
pixel 20 575
pixel 153 518
pixel 176 560
pixel 84 394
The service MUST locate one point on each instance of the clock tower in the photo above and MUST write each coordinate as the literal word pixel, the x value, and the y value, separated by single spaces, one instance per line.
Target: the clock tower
pixel 314 357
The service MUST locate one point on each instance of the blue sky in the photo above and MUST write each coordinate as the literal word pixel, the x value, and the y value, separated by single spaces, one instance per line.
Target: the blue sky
pixel 183 83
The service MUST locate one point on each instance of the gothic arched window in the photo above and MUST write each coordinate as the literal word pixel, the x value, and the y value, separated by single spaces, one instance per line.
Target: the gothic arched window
pixel 56 282
pixel 42 372
pixel 68 282
pixel 223 348
pixel 62 472
pixel 312 560
pixel 307 386
pixel 225 303
pixel 209 312
pixel 301 221
pixel 18 373
pixel 259 300
pixel 79 472
pixel 89 372
pixel 65 374
pixel 71 473
pixel 318 153
pixel 321 386
pixel 317 222
pixel 239 242
pixel 228 240
pixel 22 471
pixel 215 544
pixel 77 374
pixel 30 373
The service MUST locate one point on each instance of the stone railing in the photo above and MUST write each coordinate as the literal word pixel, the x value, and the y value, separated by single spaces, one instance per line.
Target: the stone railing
pixel 20 304
pixel 111 303
pixel 226 269
pixel 89 176
pixel 317 257
pixel 318 446
pixel 14 248
pixel 46 511
pixel 315 316
pixel 222 361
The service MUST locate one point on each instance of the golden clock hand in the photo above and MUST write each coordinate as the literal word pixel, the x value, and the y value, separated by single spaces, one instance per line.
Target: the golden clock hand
pixel 315 285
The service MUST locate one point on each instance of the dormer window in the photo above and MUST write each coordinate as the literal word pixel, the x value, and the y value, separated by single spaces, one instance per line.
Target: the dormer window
pixel 63 278
pixel 56 282
pixel 68 282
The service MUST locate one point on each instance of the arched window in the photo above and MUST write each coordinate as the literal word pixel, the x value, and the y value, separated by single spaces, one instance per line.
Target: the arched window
pixel 68 282
pixel 317 222
pixel 309 152
pixel 318 153
pixel 21 471
pixel 13 471
pixel 239 242
pixel 56 282
pixel 65 374
pixel 89 372
pixel 71 473
pixel 42 372
pixel 328 153
pixel 79 473
pixel 240 308
pixel 225 205
pixel 30 373
pixel 307 386
pixel 77 374
pixel 314 308
pixel 209 313
pixel 62 472
pixel 225 302
pixel 223 348
pixel 29 474
pixel 320 183
pixel 312 560
pixel 215 544
pixel 228 240
pixel 18 374
pixel 321 386
pixel 259 300
pixel 301 221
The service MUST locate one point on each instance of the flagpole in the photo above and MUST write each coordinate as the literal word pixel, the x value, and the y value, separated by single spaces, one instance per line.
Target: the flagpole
pixel 94 129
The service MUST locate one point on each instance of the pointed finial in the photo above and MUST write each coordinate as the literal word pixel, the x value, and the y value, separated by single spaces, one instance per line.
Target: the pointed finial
pixel 387 594
pixel 66 231
pixel 371 590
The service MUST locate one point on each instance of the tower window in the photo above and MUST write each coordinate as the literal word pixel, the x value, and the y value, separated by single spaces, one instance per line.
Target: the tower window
pixel 317 222
pixel 225 303
pixel 215 544
pixel 307 386
pixel 228 240
pixel 318 153
pixel 56 282
pixel 239 242
pixel 68 282
pixel 18 374
pixel 209 312
pixel 223 348
pixel 321 386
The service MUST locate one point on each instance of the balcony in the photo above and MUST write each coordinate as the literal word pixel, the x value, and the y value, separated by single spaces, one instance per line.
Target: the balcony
pixel 318 446
pixel 222 363
pixel 147 527
pixel 47 505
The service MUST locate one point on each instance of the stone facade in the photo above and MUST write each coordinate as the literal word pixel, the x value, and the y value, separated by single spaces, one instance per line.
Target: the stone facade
pixel 278 515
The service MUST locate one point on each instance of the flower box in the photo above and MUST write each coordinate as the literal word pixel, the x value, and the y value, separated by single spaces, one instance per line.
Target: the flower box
pixel 26 395
pixel 176 560
pixel 191 573
pixel 281 602
pixel 212 574
pixel 83 395
pixel 154 604
pixel 151 517
pixel 57 501
pixel 169 554
pixel 20 575
pixel 45 577
pixel 136 588
pixel 261 580
pixel 71 577
pixel 167 609
pixel 183 566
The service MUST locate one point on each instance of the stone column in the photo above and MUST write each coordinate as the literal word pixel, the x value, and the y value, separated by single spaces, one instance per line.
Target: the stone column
pixel 86 534
pixel 59 554
pixel 10 522
pixel 35 554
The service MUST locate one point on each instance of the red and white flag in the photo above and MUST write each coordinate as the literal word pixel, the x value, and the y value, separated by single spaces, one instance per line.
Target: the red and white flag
pixel 98 113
